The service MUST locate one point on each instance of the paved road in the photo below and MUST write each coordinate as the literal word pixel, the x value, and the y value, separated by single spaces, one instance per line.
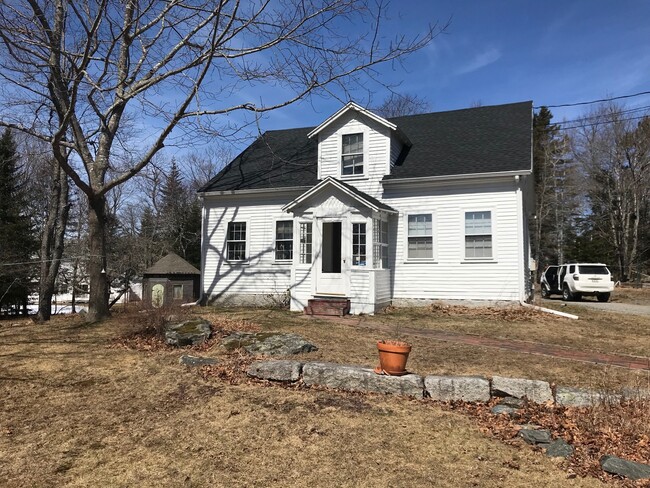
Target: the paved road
pixel 609 306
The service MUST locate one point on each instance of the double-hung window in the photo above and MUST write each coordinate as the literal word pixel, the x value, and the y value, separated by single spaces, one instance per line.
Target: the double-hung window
pixel 236 241
pixel 177 292
pixel 284 240
pixel 352 154
pixel 359 256
pixel 420 236
pixel 305 242
pixel 380 244
pixel 478 234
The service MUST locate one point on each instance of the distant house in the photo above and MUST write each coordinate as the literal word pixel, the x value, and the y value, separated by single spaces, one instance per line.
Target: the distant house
pixel 371 211
pixel 171 280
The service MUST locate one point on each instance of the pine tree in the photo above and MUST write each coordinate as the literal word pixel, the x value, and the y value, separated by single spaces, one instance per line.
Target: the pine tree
pixel 554 195
pixel 17 240
pixel 180 217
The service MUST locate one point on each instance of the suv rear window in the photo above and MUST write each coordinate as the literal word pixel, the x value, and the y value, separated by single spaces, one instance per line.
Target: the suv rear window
pixel 595 270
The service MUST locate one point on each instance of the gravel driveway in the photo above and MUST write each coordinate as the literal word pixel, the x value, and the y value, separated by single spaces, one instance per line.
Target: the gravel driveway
pixel 627 308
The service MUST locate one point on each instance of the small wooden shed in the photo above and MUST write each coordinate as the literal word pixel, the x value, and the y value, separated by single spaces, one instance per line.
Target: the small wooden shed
pixel 172 280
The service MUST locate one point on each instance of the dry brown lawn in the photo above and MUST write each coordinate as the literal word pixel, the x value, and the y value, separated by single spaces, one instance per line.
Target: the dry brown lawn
pixel 352 340
pixel 75 410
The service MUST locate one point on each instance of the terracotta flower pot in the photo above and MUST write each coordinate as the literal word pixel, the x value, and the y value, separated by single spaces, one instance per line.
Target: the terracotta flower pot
pixel 392 357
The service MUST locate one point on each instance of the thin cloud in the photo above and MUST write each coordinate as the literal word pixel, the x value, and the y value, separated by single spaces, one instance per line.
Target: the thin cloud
pixel 481 60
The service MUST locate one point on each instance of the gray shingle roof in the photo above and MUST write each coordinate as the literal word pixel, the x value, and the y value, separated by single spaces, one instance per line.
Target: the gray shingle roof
pixel 172 264
pixel 475 140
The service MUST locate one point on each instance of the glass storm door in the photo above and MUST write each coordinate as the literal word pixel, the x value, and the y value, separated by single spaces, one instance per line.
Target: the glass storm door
pixel 332 269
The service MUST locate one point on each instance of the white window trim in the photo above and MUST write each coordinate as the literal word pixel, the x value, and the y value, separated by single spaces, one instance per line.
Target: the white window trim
pixel 275 238
pixel 385 221
pixel 247 246
pixel 368 248
pixel 366 141
pixel 469 260
pixel 434 237
pixel 296 240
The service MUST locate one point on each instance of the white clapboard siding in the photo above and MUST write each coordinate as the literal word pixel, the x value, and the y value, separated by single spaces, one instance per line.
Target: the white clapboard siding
pixel 376 144
pixel 449 275
pixel 382 288
pixel 301 289
pixel 260 274
pixel 360 296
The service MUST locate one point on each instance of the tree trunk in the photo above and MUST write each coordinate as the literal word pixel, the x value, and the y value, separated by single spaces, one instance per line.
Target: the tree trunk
pixel 99 290
pixel 52 243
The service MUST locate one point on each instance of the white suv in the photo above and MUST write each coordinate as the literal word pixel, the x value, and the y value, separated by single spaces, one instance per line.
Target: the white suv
pixel 573 281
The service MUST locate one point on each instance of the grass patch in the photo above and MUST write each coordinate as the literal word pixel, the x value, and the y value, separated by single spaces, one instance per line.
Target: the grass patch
pixel 76 412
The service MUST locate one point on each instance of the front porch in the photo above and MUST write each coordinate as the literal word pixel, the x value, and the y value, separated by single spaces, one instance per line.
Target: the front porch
pixel 341 264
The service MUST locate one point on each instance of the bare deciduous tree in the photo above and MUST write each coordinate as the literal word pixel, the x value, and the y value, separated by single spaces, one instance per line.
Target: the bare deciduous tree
pixel 79 74
pixel 615 153
pixel 398 105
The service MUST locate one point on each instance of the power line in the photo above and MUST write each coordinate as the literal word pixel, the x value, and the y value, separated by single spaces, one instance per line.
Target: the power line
pixel 39 261
pixel 559 126
pixel 593 124
pixel 594 101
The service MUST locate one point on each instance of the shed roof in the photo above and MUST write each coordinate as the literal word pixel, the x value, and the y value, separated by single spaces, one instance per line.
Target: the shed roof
pixel 478 140
pixel 172 264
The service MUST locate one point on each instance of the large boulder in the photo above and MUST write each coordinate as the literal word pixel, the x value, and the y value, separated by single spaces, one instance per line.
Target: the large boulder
pixel 559 448
pixel 187 333
pixel 535 436
pixel 577 397
pixel 622 467
pixel 268 343
pixel 534 390
pixel 454 388
pixel 276 370
pixel 355 378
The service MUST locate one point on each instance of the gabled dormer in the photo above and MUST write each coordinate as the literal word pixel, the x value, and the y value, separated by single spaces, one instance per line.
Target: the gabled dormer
pixel 358 146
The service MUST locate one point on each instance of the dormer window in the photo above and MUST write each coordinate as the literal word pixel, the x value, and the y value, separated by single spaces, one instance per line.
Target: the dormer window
pixel 352 155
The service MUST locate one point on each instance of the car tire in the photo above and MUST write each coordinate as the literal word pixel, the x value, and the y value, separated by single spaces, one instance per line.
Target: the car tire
pixel 546 293
pixel 567 296
pixel 603 297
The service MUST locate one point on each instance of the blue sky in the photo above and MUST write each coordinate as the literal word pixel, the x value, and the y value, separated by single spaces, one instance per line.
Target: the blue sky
pixel 494 52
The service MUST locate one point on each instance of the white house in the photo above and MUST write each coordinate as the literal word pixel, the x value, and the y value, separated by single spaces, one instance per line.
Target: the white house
pixel 371 211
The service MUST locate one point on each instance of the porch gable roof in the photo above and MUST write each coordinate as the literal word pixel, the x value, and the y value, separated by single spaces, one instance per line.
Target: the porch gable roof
pixel 358 195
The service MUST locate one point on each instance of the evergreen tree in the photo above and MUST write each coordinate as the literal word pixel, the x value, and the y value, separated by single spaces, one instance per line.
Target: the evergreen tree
pixel 17 240
pixel 555 194
pixel 180 218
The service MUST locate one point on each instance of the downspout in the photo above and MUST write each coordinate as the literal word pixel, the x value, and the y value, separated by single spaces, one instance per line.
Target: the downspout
pixel 548 310
pixel 520 238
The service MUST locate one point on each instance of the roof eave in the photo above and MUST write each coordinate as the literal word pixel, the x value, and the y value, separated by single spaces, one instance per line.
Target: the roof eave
pixel 357 108
pixel 332 181
pixel 466 176
pixel 247 191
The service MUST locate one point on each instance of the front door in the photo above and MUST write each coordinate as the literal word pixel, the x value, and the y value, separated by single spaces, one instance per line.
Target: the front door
pixel 332 268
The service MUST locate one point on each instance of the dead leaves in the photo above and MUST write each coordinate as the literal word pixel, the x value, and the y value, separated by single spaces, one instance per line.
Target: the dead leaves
pixel 621 429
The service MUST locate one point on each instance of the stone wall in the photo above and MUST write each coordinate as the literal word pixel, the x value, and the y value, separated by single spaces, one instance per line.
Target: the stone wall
pixel 440 388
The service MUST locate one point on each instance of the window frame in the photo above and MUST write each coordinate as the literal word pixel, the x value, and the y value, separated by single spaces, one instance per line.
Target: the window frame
pixel 276 240
pixel 246 241
pixel 176 286
pixel 365 140
pixel 298 236
pixel 365 246
pixel 379 246
pixel 434 241
pixel 472 259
